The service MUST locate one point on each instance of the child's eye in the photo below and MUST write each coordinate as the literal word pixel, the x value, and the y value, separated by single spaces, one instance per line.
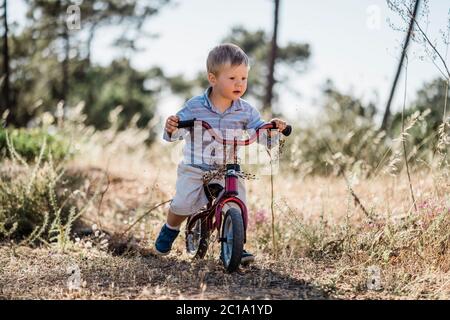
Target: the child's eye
pixel 231 78
pixel 244 79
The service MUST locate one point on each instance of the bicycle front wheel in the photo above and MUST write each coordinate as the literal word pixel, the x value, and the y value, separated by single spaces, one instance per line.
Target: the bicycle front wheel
pixel 232 244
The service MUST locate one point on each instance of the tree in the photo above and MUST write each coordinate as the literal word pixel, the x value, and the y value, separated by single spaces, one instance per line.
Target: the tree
pixel 118 85
pixel 256 44
pixel 131 14
pixel 48 20
pixel 272 58
pixel 343 138
pixel 5 79
pixel 387 111
pixel 52 63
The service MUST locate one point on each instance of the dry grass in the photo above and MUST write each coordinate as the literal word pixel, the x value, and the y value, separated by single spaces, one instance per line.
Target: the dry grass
pixel 328 245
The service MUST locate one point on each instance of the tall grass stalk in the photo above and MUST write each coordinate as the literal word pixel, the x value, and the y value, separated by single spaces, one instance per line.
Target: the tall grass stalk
pixel 404 138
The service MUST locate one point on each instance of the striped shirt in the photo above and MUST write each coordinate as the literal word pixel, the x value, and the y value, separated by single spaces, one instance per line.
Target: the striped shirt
pixel 200 149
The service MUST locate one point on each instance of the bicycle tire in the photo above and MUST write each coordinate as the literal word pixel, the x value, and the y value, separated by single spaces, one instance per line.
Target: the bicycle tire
pixel 198 251
pixel 231 249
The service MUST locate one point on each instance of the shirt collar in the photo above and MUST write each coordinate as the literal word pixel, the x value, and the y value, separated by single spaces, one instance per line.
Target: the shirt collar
pixel 235 106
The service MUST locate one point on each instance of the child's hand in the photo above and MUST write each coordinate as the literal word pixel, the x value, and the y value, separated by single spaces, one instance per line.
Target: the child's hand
pixel 172 124
pixel 281 125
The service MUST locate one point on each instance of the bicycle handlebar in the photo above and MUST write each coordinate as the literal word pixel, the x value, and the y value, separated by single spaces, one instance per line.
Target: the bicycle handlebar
pixel 186 123
pixel 287 131
pixel 270 125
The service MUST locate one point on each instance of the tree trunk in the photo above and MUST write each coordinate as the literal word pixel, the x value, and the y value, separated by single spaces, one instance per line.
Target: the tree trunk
pixel 387 112
pixel 90 94
pixel 92 31
pixel 65 65
pixel 66 47
pixel 272 58
pixel 5 60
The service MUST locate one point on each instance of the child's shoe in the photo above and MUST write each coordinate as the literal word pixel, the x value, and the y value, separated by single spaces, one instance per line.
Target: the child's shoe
pixel 165 239
pixel 247 257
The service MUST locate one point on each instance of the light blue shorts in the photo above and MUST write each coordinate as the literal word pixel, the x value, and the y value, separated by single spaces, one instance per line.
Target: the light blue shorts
pixel 190 196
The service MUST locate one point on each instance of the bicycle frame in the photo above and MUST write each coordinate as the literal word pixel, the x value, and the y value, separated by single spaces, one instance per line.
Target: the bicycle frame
pixel 230 193
pixel 214 209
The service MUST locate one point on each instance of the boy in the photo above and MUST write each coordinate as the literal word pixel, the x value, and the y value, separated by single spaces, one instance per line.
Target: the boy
pixel 222 107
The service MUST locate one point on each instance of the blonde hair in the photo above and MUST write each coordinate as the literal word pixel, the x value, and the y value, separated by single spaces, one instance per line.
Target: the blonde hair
pixel 226 53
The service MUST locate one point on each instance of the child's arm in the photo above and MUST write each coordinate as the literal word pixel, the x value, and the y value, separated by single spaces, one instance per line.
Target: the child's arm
pixel 270 136
pixel 171 132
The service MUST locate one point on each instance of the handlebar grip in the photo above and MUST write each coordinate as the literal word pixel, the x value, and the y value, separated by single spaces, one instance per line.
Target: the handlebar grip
pixel 287 131
pixel 186 123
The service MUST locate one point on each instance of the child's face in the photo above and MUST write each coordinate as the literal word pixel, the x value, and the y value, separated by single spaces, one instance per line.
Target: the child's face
pixel 231 81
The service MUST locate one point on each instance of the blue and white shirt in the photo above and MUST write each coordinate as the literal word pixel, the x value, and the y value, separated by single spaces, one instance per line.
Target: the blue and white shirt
pixel 200 149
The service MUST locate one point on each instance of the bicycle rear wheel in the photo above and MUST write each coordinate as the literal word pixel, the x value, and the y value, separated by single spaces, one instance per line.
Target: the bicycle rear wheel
pixel 197 240
pixel 232 244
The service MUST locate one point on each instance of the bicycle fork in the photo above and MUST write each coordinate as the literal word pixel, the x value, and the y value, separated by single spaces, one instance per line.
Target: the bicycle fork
pixel 230 195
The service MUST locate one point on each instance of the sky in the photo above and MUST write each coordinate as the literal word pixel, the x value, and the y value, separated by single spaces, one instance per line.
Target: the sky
pixel 351 43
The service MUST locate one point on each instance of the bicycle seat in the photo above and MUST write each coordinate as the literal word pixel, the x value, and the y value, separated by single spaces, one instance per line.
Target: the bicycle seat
pixel 212 190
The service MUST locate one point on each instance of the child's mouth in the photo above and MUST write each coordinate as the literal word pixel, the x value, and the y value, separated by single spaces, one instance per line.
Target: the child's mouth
pixel 237 92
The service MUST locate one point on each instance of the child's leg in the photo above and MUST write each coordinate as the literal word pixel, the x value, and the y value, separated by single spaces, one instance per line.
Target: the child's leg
pixel 189 197
pixel 168 233
pixel 174 221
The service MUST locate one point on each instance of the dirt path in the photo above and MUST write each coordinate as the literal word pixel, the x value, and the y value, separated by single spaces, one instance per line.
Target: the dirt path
pixel 126 269
pixel 44 273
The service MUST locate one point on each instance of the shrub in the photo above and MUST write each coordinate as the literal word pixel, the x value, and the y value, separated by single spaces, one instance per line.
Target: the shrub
pixel 27 143
pixel 36 204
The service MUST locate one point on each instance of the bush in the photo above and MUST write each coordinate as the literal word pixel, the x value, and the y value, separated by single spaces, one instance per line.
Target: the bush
pixel 27 143
pixel 343 138
pixel 36 203
pixel 346 138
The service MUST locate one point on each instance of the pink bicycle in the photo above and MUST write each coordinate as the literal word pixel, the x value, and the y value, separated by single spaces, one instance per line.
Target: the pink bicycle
pixel 225 212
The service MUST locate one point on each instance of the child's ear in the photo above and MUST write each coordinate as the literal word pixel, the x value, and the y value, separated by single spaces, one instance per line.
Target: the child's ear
pixel 212 78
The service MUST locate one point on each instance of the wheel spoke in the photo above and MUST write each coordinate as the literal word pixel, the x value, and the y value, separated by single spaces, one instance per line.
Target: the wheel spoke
pixel 194 237
pixel 233 239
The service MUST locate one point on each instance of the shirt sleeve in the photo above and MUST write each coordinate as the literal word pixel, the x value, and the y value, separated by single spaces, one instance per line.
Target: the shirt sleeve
pixel 255 120
pixel 184 114
pixel 254 123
